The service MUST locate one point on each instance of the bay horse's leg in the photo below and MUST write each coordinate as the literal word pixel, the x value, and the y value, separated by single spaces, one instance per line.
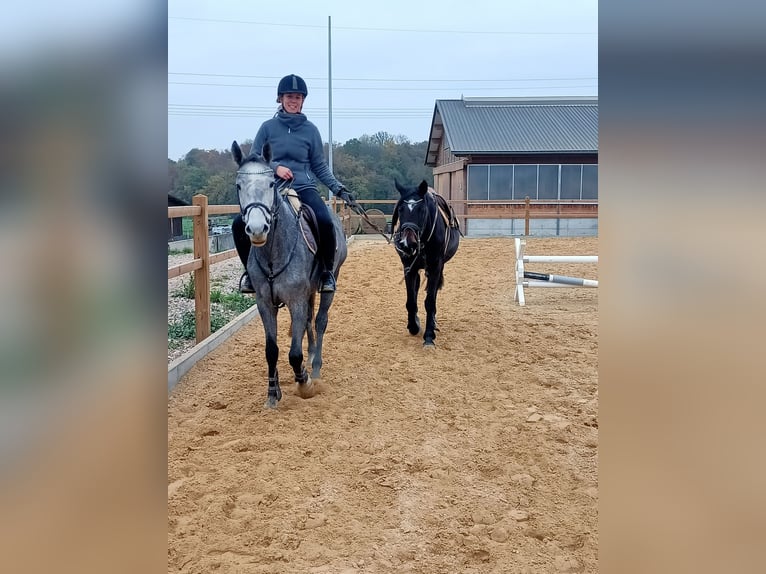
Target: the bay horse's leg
pixel 299 313
pixel 412 280
pixel 269 319
pixel 325 301
pixel 435 279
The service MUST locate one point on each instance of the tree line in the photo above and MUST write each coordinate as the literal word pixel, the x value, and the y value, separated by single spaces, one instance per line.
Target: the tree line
pixel 366 165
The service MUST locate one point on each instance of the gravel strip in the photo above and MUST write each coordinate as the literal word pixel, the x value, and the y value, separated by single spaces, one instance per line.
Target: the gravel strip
pixel 224 277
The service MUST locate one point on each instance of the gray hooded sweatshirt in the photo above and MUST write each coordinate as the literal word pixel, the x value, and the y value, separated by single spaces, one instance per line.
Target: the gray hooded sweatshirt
pixel 296 144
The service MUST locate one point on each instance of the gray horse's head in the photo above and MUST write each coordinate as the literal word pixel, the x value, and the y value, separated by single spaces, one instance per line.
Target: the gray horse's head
pixel 255 190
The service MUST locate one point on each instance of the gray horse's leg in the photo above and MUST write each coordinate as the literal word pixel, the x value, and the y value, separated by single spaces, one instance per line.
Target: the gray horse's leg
pixel 269 319
pixel 325 301
pixel 310 330
pixel 299 314
pixel 412 281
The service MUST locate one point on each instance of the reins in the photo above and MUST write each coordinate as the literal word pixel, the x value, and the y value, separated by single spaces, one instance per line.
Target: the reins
pixel 359 210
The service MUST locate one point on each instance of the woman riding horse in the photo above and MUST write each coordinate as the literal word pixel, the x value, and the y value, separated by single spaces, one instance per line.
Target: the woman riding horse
pixel 297 156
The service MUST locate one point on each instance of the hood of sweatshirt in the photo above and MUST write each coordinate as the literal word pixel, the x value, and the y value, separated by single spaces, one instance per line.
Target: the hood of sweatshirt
pixel 292 121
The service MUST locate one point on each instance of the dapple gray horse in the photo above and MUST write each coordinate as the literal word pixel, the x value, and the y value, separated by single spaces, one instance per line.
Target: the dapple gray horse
pixel 283 270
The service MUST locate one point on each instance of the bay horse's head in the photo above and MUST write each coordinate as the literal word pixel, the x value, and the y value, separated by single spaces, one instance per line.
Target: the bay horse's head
pixel 411 221
pixel 256 192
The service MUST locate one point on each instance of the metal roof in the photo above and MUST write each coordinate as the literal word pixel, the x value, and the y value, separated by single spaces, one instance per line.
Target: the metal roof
pixel 515 125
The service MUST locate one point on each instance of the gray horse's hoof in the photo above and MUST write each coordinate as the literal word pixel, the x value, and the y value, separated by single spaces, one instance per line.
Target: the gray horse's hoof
pixel 271 403
pixel 306 390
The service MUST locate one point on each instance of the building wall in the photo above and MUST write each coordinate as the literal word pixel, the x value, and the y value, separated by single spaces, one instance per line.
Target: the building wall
pixel 537 227
pixel 451 178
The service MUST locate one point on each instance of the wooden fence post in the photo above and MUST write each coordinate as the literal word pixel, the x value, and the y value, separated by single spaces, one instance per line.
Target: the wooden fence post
pixel 526 215
pixel 202 275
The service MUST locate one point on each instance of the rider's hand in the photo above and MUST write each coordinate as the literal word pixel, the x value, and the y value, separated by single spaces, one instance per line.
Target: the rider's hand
pixel 283 172
pixel 346 196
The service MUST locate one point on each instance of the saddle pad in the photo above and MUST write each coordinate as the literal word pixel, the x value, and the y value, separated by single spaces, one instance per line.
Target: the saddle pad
pixel 292 199
pixel 447 213
pixel 295 203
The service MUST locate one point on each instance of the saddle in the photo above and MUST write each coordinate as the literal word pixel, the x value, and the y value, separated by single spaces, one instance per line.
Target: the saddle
pixel 445 209
pixel 307 219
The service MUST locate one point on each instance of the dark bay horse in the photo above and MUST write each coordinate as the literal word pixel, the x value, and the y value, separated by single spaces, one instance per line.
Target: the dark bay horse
pixel 426 235
pixel 283 270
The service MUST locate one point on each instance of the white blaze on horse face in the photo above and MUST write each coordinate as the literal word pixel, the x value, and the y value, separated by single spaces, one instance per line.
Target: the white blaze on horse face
pixel 254 184
pixel 257 226
pixel 411 203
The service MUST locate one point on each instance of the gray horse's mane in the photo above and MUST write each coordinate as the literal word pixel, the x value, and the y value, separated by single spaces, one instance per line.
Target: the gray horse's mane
pixel 254 157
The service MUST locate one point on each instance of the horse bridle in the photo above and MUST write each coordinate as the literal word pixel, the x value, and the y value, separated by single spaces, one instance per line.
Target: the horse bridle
pixel 417 229
pixel 269 212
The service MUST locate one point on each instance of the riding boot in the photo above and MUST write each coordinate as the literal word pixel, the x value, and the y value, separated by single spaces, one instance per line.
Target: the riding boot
pixel 245 285
pixel 242 243
pixel 326 282
pixel 327 258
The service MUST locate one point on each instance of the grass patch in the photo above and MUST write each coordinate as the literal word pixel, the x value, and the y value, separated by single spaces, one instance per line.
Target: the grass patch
pixel 183 251
pixel 185 327
pixel 186 289
pixel 237 302
pixel 229 305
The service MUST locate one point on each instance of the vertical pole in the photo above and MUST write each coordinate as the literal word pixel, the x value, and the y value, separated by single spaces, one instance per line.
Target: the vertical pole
pixel 526 215
pixel 329 95
pixel 202 275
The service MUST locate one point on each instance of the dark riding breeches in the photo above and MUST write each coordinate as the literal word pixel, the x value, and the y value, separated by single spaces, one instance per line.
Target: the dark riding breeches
pixel 311 197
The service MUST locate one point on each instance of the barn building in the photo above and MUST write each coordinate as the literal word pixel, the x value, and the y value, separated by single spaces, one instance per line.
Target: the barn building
pixel 175 224
pixel 489 154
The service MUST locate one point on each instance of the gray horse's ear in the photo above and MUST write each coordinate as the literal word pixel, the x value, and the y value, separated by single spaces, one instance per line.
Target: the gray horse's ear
pixel 266 152
pixel 236 153
pixel 423 187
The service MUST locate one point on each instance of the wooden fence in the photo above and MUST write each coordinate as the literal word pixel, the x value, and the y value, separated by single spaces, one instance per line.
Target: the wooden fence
pixel 199 211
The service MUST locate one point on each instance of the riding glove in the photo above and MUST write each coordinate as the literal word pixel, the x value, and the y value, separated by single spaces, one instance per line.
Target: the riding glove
pixel 346 196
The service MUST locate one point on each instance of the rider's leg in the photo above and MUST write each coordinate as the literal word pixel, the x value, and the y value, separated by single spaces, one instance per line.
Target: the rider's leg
pixel 327 241
pixel 242 244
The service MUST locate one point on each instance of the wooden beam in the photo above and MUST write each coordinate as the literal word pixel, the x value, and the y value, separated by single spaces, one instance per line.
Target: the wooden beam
pixel 222 256
pixel 183 211
pixel 221 209
pixel 182 268
pixel 201 275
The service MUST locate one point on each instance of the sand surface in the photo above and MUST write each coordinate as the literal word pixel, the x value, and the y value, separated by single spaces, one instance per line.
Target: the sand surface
pixel 478 456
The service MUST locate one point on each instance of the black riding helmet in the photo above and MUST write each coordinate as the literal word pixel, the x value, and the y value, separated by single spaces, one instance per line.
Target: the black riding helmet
pixel 292 84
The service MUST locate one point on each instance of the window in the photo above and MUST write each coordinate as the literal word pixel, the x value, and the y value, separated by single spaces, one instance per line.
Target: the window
pixel 500 181
pixel 478 182
pixel 525 181
pixel 590 182
pixel 538 181
pixel 548 184
pixel 571 178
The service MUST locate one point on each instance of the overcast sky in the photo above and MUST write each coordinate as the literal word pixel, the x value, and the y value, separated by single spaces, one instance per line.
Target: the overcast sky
pixel 390 61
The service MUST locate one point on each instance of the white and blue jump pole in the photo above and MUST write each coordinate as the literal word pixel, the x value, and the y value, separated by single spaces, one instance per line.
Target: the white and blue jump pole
pixel 533 279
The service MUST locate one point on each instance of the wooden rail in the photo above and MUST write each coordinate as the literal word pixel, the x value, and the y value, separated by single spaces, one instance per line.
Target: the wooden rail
pixel 199 211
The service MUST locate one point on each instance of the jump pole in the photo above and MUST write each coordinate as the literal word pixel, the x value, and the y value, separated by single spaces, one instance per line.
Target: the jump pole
pixel 532 279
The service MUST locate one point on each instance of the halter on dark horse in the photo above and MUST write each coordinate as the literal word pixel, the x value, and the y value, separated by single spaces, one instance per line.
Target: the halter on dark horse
pixel 425 237
pixel 283 271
